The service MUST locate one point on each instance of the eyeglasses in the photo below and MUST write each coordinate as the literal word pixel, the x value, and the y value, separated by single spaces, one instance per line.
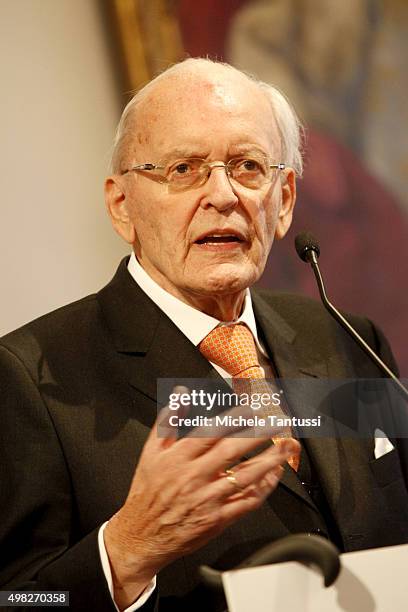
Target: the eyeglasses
pixel 252 172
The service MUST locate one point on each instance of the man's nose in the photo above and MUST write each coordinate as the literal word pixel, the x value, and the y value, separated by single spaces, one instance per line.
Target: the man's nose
pixel 218 191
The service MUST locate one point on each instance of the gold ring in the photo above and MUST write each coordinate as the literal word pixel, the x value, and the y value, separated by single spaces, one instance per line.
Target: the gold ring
pixel 230 476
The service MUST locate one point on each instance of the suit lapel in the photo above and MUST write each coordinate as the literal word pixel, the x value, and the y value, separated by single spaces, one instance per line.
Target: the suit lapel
pixel 149 345
pixel 295 360
pixel 171 355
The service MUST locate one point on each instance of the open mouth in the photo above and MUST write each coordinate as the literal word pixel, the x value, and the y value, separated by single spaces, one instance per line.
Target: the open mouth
pixel 219 239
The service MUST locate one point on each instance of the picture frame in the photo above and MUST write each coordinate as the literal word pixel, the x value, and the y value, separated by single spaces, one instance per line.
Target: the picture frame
pixel 147 37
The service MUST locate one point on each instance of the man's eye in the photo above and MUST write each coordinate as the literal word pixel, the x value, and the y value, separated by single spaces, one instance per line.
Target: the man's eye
pixel 184 172
pixel 249 165
pixel 182 168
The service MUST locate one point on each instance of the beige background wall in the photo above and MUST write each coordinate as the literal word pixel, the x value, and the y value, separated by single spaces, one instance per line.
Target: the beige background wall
pixel 58 110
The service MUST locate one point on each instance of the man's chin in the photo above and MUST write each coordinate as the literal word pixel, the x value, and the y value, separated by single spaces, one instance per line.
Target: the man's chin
pixel 226 280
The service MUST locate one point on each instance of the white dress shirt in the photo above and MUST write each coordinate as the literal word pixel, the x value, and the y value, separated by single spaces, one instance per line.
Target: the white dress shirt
pixel 194 323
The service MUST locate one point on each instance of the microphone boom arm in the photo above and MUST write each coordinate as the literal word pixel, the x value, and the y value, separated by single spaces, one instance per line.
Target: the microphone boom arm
pixel 311 257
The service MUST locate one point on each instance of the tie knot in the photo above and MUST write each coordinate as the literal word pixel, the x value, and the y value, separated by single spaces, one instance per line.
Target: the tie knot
pixel 232 347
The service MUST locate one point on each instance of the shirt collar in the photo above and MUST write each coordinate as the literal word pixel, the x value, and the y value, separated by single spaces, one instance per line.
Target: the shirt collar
pixel 194 324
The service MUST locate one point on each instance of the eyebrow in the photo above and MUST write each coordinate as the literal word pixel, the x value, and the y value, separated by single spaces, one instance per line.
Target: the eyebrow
pixel 234 150
pixel 182 153
pixel 247 148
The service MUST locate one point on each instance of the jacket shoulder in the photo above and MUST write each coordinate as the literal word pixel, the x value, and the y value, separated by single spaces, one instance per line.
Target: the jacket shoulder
pixel 316 326
pixel 53 328
pixel 301 308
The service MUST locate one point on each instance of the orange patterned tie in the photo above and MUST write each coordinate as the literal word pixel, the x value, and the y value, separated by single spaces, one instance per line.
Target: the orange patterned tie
pixel 232 347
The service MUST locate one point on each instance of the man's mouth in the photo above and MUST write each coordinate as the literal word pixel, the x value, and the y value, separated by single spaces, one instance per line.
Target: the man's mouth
pixel 217 239
pixel 220 238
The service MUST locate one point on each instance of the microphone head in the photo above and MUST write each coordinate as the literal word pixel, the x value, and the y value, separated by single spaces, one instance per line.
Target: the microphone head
pixel 305 242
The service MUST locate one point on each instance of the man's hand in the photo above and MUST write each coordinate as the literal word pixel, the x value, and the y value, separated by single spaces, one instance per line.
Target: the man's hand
pixel 180 498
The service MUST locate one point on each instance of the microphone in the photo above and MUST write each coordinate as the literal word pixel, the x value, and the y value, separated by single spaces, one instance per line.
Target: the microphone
pixel 308 249
pixel 309 550
pixel 307 246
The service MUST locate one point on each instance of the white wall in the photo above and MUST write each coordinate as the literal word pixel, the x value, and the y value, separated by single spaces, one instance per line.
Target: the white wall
pixel 59 105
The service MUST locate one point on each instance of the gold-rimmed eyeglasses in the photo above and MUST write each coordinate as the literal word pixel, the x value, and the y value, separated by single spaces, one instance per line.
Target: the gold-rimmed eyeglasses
pixel 252 172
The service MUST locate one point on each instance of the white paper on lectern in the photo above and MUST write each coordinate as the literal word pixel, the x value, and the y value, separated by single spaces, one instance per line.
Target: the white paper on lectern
pixel 287 587
pixel 370 581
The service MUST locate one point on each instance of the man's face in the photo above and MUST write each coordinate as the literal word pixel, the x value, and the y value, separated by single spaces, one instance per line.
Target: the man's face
pixel 216 118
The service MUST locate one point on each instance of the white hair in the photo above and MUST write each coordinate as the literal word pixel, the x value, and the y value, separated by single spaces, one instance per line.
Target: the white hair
pixel 290 128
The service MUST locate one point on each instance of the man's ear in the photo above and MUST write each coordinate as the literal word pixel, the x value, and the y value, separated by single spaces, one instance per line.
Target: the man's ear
pixel 117 206
pixel 287 204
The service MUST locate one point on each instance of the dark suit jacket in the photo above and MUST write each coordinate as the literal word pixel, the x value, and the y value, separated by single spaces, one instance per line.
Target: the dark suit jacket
pixel 78 397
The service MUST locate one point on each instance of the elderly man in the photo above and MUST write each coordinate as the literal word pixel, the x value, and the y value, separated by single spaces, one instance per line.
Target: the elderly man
pixel 93 500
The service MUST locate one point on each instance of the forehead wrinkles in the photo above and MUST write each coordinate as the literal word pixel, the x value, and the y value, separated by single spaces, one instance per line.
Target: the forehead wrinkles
pixel 183 100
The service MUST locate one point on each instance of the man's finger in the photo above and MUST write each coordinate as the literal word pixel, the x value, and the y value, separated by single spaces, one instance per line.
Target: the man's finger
pixel 163 429
pixel 247 473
